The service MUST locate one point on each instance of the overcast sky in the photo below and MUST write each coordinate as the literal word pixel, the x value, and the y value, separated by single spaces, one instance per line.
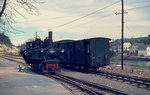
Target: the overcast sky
pixel 81 19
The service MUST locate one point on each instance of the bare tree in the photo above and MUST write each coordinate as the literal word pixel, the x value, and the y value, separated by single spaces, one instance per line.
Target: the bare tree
pixel 9 10
pixel 3 8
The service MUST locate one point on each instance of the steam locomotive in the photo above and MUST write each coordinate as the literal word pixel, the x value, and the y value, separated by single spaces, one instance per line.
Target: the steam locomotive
pixel 41 55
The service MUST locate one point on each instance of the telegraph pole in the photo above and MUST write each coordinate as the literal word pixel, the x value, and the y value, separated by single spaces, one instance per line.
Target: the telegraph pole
pixel 122 33
pixel 122 29
pixel 35 35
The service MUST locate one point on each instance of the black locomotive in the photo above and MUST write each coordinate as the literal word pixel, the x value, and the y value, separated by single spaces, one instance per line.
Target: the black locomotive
pixel 41 55
pixel 86 54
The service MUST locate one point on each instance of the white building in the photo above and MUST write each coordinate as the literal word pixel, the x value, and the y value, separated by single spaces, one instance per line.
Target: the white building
pixel 142 52
pixel 1 48
pixel 148 50
pixel 138 49
pixel 116 47
pixel 14 50
pixel 126 46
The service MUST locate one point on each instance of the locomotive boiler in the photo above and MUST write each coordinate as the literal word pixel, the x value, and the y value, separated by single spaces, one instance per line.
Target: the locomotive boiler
pixel 41 55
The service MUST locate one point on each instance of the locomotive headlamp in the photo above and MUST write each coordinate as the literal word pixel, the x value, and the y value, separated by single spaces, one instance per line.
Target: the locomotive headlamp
pixel 42 50
pixel 52 51
pixel 62 50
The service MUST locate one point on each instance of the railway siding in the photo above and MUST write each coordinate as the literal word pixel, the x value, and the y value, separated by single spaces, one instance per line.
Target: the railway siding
pixel 130 89
pixel 132 79
pixel 89 88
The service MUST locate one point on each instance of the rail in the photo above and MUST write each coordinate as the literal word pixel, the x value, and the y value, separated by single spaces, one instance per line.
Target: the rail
pixel 12 59
pixel 92 88
pixel 132 79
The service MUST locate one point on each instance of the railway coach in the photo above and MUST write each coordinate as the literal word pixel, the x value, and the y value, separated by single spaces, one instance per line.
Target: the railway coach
pixel 87 54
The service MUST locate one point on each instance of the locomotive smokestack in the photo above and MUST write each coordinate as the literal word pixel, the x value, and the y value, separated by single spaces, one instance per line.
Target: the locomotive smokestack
pixel 50 37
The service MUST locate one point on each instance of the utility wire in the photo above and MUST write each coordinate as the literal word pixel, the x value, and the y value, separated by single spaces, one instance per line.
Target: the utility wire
pixel 69 16
pixel 127 27
pixel 94 20
pixel 139 7
pixel 60 17
pixel 85 15
pixel 53 18
pixel 146 6
pixel 138 2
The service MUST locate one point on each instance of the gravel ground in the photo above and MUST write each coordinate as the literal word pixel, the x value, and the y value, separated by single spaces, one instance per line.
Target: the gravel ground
pixel 131 90
pixel 128 70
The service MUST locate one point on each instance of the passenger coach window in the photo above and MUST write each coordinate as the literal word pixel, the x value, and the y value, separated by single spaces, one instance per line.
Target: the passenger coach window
pixel 88 48
pixel 78 46
pixel 30 44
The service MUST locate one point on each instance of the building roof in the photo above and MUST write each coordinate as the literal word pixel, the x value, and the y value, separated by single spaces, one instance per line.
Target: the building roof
pixel 148 45
pixel 139 45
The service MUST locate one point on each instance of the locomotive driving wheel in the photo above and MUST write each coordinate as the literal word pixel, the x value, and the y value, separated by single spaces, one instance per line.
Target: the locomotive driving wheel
pixel 95 69
pixel 86 68
pixel 41 67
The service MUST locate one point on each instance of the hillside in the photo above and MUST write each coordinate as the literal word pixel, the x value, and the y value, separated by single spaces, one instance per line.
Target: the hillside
pixel 5 40
pixel 145 40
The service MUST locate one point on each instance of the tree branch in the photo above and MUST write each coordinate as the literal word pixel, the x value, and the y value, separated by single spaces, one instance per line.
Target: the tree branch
pixel 3 8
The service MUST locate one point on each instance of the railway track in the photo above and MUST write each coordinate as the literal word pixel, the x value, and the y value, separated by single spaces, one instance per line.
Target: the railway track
pixel 140 82
pixel 78 87
pixel 133 80
pixel 13 59
pixel 126 78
